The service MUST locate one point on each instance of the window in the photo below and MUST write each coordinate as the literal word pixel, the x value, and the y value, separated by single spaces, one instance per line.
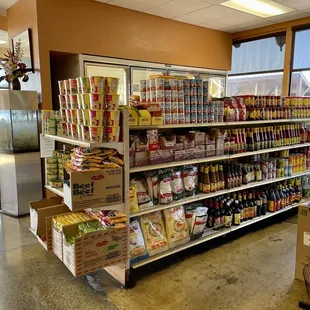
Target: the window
pixel 257 67
pixel 300 76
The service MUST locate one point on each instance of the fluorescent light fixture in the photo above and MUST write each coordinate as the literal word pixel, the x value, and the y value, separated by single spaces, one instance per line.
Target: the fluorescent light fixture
pixel 261 8
pixel 3 42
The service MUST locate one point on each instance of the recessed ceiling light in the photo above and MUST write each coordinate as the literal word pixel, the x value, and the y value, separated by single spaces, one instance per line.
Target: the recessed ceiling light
pixel 3 42
pixel 261 8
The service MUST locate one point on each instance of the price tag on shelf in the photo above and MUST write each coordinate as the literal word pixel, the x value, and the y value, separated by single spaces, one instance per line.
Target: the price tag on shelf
pixel 47 146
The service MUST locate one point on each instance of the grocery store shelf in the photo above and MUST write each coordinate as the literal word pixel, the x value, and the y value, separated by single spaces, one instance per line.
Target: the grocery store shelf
pixel 119 146
pixel 214 158
pixel 207 236
pixel 199 197
pixel 297 120
pixel 58 191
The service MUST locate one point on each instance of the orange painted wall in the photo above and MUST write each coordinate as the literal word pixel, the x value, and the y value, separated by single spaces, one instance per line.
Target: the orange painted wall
pixel 3 23
pixel 90 27
pixel 21 16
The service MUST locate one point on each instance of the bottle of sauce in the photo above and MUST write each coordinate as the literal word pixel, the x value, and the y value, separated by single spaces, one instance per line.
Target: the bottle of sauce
pixel 254 204
pixel 241 207
pixel 244 139
pixel 251 206
pixel 228 215
pixel 206 180
pixel 217 177
pixel 278 199
pixel 245 207
pixel 210 221
pixel 213 181
pixel 303 134
pixel 239 175
pixel 236 139
pixel 245 179
pixel 217 215
pixel 259 203
pixel 237 216
pixel 262 138
pixel 201 177
pixel 271 201
pixel 256 140
pixel 222 211
pixel 264 204
pixel 221 178
pixel 266 138
pixel 250 142
pixel 227 143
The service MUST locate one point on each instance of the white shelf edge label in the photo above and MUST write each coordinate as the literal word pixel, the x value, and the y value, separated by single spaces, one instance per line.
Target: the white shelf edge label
pixel 47 146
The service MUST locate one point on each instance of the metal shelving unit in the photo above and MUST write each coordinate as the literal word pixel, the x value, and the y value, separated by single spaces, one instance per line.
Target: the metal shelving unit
pixel 214 158
pixel 207 236
pixel 225 124
pixel 119 146
pixel 199 197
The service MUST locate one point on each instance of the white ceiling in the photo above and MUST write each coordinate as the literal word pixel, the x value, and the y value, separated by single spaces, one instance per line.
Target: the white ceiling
pixel 5 4
pixel 210 14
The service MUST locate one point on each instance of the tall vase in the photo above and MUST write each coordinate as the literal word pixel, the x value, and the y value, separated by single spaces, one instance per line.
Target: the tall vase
pixel 15 84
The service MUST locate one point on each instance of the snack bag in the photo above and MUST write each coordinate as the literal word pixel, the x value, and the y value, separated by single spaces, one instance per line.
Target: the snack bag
pixel 154 232
pixel 137 249
pixel 177 185
pixel 164 187
pixel 176 225
pixel 144 200
pixel 133 200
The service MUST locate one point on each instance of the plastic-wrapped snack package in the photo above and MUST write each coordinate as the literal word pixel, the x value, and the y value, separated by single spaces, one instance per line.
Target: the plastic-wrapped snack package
pixel 137 248
pixel 144 199
pixel 133 200
pixel 176 226
pixel 164 186
pixel 189 180
pixel 152 183
pixel 154 233
pixel 196 217
pixel 177 185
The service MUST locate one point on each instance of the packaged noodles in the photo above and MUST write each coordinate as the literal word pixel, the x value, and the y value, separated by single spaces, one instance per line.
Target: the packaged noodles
pixel 154 232
pixel 133 200
pixel 137 249
pixel 144 199
pixel 176 225
pixel 164 184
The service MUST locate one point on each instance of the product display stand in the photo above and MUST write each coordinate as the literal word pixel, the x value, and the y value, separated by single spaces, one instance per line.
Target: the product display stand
pixel 121 271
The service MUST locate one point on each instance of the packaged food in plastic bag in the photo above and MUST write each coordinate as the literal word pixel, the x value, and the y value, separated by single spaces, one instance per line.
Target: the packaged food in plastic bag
pixel 196 217
pixel 154 232
pixel 152 183
pixel 177 185
pixel 133 199
pixel 176 225
pixel 137 248
pixel 189 180
pixel 144 199
pixel 164 186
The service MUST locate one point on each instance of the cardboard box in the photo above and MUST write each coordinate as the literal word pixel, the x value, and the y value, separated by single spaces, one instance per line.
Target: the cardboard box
pixel 200 138
pixel 167 142
pixel 144 118
pixel 93 189
pixel 95 250
pixel 133 117
pixel 141 159
pixel 41 213
pixel 179 155
pixel 57 247
pixel 155 157
pixel 303 241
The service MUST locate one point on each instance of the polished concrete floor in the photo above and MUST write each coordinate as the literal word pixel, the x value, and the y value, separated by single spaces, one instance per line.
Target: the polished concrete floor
pixel 253 271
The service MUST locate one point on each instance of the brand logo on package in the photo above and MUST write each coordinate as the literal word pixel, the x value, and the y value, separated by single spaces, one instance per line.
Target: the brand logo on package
pixel 102 243
pixel 97 177
pixel 86 189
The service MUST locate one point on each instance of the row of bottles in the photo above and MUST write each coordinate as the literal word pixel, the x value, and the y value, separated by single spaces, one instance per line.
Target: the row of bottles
pixel 233 209
pixel 228 175
pixel 240 140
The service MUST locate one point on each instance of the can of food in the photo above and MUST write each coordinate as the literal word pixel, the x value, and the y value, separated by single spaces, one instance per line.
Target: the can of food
pixel 143 85
pixel 74 101
pixel 97 84
pixel 112 133
pixel 52 170
pixel 95 134
pixel 96 102
pixel 61 87
pixel 112 85
pixel 111 118
pixel 84 84
pixel 62 101
pixel 168 119
pixel 50 166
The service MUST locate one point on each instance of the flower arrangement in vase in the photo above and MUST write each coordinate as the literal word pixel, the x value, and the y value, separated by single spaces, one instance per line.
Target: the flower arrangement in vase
pixel 13 67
